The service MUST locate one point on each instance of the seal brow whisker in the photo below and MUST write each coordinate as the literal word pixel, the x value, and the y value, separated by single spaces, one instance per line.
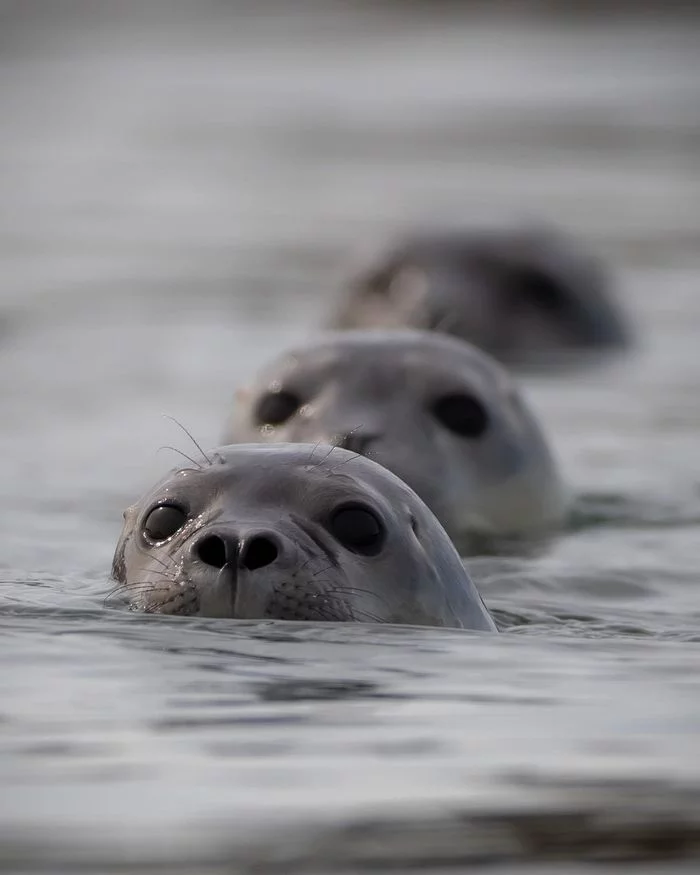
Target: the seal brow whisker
pixel 189 435
pixel 313 450
pixel 346 435
pixel 189 458
pixel 330 452
pixel 334 469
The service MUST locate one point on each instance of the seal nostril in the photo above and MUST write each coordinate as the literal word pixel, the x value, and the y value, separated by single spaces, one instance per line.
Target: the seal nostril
pixel 257 553
pixel 212 551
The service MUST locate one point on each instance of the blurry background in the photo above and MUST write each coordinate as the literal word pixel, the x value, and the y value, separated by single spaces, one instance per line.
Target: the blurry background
pixel 182 184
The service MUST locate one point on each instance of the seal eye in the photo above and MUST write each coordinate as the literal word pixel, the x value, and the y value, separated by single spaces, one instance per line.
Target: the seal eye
pixel 163 521
pixel 539 291
pixel 462 414
pixel 276 407
pixel 358 529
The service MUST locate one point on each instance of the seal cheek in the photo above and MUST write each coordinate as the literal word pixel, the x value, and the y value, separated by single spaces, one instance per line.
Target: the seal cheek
pixel 119 561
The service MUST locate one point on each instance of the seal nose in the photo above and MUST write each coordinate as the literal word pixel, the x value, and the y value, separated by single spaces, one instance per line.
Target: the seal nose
pixel 257 552
pixel 251 552
pixel 356 441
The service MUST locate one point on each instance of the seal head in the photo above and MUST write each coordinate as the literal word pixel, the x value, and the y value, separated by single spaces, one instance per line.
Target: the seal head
pixel 293 532
pixel 443 416
pixel 528 296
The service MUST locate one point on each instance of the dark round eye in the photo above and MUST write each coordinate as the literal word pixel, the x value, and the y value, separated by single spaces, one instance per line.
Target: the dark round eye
pixel 462 414
pixel 163 521
pixel 276 407
pixel 539 290
pixel 358 529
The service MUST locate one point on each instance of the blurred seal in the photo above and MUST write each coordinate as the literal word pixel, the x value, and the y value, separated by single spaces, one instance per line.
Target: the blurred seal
pixel 443 416
pixel 529 296
pixel 293 532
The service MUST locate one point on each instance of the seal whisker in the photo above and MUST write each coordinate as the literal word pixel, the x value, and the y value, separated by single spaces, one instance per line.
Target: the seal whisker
pixel 142 587
pixel 189 435
pixel 157 559
pixel 334 470
pixel 167 574
pixel 329 453
pixel 353 590
pixel 321 570
pixel 326 613
pixel 339 438
pixel 170 566
pixel 313 450
pixel 189 458
pixel 359 613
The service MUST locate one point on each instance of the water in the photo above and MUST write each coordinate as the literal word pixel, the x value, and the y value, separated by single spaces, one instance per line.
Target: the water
pixel 182 185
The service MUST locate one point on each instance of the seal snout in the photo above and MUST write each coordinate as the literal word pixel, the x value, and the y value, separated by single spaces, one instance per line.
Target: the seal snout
pixel 251 551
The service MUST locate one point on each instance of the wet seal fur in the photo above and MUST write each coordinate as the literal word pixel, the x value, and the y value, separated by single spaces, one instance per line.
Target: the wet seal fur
pixel 445 417
pixel 292 532
pixel 529 295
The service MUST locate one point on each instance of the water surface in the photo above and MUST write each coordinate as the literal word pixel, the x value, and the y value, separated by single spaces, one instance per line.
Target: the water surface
pixel 181 191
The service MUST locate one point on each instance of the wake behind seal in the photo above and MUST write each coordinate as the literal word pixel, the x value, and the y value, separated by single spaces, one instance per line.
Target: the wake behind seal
pixel 531 295
pixel 293 532
pixel 442 415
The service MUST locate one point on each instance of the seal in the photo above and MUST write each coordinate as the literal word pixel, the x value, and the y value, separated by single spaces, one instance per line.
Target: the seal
pixel 445 417
pixel 293 532
pixel 530 296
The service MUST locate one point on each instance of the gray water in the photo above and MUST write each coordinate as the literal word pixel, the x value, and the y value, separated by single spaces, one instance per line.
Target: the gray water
pixel 182 185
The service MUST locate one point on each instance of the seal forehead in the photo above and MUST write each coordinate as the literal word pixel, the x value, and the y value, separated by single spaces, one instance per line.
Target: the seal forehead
pixel 277 475
pixel 396 363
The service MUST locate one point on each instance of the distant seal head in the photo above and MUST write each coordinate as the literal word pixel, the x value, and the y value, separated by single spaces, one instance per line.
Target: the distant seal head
pixel 293 532
pixel 442 415
pixel 529 296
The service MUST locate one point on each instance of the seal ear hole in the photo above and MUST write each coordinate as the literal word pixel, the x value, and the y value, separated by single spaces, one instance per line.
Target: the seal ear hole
pixel 274 408
pixel 462 414
pixel 414 525
pixel 358 529
pixel 163 521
